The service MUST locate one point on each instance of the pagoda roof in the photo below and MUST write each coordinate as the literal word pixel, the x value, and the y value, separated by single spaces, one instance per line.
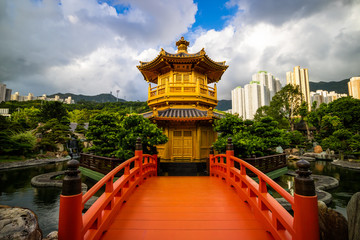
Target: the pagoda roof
pixel 182 114
pixel 199 60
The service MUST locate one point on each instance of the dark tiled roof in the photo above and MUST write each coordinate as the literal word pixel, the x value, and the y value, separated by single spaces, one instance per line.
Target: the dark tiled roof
pixel 218 115
pixel 147 114
pixel 182 113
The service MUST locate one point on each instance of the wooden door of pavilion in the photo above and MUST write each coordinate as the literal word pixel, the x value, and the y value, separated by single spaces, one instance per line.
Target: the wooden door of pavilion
pixel 182 144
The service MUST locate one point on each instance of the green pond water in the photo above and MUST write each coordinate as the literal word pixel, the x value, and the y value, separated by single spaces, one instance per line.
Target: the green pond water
pixel 349 182
pixel 16 190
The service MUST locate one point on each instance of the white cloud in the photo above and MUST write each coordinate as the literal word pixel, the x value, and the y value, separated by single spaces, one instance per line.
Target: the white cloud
pixel 82 46
pixel 326 42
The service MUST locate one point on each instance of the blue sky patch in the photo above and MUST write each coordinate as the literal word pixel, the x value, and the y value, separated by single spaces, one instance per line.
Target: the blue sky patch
pixel 212 14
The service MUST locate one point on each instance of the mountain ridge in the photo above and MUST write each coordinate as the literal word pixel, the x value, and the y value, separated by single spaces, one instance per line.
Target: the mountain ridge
pixel 100 98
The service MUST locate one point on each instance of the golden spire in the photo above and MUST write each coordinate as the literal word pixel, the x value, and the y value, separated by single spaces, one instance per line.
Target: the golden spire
pixel 182 45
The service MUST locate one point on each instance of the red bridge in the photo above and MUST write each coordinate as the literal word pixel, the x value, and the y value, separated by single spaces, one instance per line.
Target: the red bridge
pixel 226 205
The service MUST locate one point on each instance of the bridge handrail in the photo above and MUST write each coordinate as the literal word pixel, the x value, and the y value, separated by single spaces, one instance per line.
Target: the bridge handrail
pixel 280 223
pixel 106 179
pixel 92 224
pixel 264 177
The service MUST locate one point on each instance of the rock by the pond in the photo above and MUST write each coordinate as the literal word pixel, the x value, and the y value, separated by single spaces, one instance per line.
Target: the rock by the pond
pixel 19 223
pixel 279 149
pixel 318 149
pixel 353 209
pixel 52 236
pixel 293 157
pixel 333 225
pixel 287 151
pixel 295 151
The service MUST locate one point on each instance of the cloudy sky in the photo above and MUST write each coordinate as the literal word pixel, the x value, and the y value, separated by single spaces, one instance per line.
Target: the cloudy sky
pixel 93 46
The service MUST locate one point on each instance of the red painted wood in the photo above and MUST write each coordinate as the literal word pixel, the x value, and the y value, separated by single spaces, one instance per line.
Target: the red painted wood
pixel 185 208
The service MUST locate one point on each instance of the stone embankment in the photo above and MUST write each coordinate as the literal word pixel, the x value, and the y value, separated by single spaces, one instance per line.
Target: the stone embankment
pixel 47 180
pixel 346 164
pixel 32 162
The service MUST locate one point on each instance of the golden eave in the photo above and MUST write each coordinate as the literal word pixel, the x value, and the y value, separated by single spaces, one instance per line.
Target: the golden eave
pixel 151 69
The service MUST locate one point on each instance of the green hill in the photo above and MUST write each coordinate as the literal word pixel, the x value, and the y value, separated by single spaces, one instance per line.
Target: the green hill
pixel 224 105
pixel 100 98
pixel 338 87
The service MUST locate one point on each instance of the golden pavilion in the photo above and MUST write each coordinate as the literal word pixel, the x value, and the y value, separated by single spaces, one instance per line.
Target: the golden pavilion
pixel 182 95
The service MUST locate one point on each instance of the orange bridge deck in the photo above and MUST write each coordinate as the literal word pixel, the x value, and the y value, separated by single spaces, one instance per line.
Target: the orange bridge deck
pixel 185 208
pixel 226 205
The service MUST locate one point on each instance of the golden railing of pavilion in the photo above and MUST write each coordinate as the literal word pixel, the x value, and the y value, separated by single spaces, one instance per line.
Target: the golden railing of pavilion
pixel 173 90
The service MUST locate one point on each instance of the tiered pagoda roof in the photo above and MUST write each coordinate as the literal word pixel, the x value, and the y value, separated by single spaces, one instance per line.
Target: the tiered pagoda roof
pixel 199 61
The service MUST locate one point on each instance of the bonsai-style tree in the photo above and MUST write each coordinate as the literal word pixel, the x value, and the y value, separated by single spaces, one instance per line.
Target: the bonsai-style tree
pixel 102 132
pixel 113 135
pixel 250 137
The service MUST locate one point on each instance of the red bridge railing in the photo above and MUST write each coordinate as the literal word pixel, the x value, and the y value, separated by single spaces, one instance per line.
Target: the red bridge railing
pixel 73 224
pixel 96 220
pixel 276 220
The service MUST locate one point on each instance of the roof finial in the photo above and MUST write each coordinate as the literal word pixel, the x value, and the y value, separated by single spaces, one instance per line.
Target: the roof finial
pixel 182 45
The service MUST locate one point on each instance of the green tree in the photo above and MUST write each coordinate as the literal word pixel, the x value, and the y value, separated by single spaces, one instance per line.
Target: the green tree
pixel 134 126
pixel 296 139
pixel 52 133
pixel 115 135
pixel 250 137
pixel 284 107
pixel 102 132
pixel 316 115
pixel 80 127
pixel 53 109
pixel 348 111
pixel 27 118
pixel 25 143
pixel 304 113
pixel 226 126
pixel 344 140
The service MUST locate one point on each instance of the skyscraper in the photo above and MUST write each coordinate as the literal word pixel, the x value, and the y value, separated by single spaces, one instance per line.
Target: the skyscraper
pixel 354 87
pixel 2 92
pixel 258 93
pixel 300 77
pixel 268 80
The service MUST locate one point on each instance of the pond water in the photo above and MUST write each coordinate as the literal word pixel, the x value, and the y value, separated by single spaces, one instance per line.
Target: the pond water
pixel 349 182
pixel 16 191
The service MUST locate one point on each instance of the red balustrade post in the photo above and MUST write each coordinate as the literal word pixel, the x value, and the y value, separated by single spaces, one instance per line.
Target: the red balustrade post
pixel 306 222
pixel 139 154
pixel 229 153
pixel 70 212
pixel 211 160
pixel 155 159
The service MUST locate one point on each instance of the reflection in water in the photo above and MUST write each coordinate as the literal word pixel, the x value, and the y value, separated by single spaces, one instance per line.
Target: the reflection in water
pixel 349 182
pixel 16 191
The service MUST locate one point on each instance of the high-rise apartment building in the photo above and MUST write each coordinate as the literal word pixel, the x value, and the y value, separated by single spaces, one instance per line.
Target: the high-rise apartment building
pixel 322 96
pixel 268 80
pixel 2 92
pixel 354 87
pixel 5 93
pixel 300 77
pixel 8 95
pixel 258 93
